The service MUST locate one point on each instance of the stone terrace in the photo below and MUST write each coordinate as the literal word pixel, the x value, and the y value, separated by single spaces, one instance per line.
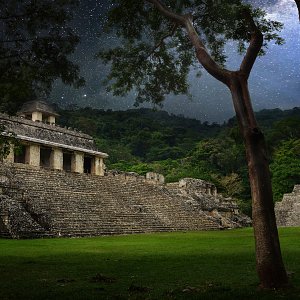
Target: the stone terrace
pixel 56 203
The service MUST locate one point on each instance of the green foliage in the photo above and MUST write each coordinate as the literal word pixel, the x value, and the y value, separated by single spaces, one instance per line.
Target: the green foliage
pixel 232 184
pixel 156 55
pixel 35 42
pixel 285 167
pixel 143 134
pixel 4 144
pixel 6 140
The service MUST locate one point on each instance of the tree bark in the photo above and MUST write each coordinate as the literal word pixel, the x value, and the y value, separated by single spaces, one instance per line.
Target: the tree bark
pixel 269 263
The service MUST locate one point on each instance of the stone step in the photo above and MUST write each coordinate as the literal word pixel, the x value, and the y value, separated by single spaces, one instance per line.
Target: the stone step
pixel 81 205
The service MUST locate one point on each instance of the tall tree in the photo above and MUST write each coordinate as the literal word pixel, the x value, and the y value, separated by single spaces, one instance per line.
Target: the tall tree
pixel 35 42
pixel 160 41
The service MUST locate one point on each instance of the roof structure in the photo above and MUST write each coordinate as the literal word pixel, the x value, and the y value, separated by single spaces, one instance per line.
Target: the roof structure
pixel 50 135
pixel 40 106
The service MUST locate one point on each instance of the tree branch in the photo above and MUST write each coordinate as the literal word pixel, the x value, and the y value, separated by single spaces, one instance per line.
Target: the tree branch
pixel 255 45
pixel 201 52
pixel 169 34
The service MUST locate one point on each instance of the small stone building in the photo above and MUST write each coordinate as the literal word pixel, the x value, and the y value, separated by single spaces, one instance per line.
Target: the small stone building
pixel 42 143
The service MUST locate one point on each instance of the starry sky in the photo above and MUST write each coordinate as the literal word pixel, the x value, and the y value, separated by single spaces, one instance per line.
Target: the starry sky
pixel 274 81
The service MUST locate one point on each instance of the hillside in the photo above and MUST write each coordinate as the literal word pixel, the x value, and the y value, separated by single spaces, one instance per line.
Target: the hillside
pixel 142 140
pixel 141 134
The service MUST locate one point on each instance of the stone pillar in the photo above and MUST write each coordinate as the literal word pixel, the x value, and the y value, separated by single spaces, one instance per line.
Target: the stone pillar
pixel 32 156
pixel 56 159
pixel 37 116
pixel 77 162
pixel 51 119
pixel 10 158
pixel 98 166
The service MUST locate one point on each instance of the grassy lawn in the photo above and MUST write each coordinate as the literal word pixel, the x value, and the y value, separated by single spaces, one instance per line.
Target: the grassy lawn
pixel 194 265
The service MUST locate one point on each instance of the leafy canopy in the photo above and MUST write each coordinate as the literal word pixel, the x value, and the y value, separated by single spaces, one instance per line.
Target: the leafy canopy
pixel 35 42
pixel 155 55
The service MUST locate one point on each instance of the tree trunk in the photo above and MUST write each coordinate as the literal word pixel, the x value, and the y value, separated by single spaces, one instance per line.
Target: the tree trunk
pixel 269 264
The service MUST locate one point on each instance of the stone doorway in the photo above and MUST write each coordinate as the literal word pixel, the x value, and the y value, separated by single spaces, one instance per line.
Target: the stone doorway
pixel 20 154
pixel 87 165
pixel 67 159
pixel 45 155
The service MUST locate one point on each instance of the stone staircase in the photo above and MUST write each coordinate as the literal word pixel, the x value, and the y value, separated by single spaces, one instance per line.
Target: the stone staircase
pixel 69 204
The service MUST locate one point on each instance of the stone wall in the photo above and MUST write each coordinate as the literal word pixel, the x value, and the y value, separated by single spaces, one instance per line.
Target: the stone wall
pixel 56 203
pixel 288 210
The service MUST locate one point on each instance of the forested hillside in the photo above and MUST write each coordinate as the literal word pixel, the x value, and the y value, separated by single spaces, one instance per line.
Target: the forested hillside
pixel 143 140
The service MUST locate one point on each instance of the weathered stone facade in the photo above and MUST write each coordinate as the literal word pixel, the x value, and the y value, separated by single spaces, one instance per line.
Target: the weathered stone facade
pixel 38 202
pixel 47 145
pixel 203 195
pixel 288 210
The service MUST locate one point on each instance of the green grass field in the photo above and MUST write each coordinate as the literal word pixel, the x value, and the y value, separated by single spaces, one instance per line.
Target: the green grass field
pixel 194 265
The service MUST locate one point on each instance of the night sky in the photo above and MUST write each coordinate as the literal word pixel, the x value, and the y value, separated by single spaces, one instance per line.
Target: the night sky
pixel 274 81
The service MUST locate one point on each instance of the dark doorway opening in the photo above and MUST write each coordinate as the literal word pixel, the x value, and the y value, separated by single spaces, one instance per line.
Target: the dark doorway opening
pixel 87 164
pixel 67 159
pixel 45 155
pixel 19 155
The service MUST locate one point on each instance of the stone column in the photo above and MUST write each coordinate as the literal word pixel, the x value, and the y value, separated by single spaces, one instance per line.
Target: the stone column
pixel 56 159
pixel 10 158
pixel 98 166
pixel 51 119
pixel 37 116
pixel 32 156
pixel 77 162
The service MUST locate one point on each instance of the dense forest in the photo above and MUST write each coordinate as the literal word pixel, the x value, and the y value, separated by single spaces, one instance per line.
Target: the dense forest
pixel 142 140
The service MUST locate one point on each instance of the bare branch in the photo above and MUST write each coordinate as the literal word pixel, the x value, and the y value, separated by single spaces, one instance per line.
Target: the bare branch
pixel 179 19
pixel 255 45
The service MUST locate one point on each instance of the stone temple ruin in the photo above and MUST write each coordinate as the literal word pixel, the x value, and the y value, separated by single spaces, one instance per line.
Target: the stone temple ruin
pixel 288 210
pixel 58 186
pixel 44 144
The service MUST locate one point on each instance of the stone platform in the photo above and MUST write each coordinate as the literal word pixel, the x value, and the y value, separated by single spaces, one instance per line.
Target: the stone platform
pixel 36 202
